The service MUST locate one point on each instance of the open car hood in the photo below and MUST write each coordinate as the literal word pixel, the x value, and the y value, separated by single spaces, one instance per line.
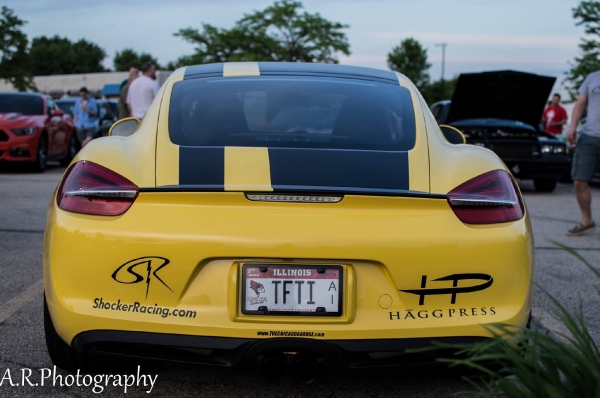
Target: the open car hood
pixel 507 94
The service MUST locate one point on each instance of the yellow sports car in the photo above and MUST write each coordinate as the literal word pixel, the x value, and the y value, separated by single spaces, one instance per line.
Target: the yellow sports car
pixel 290 214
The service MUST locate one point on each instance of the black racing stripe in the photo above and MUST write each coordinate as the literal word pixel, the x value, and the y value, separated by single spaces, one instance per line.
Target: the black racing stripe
pixel 206 69
pixel 306 168
pixel 202 166
pixel 300 67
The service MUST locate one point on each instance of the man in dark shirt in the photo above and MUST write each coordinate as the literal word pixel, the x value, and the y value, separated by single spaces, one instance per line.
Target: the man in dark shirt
pixel 123 110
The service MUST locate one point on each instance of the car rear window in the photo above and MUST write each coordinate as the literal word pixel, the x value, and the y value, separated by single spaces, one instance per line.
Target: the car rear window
pixel 23 104
pixel 292 112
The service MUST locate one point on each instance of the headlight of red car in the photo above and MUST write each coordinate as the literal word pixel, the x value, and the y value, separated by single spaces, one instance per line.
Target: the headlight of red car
pixel 25 131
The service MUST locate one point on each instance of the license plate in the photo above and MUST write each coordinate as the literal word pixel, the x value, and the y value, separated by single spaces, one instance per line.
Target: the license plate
pixel 291 290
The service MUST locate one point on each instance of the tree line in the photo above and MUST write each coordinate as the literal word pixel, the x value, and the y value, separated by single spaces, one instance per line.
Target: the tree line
pixel 280 32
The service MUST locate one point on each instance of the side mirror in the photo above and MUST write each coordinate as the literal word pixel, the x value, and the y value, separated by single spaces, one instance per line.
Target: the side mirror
pixel 452 134
pixel 124 127
pixel 58 112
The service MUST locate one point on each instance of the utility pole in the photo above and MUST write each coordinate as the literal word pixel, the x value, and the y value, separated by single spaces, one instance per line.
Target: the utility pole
pixel 443 45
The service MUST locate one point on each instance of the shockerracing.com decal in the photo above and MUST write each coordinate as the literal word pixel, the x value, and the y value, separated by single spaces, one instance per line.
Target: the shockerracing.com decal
pixel 101 304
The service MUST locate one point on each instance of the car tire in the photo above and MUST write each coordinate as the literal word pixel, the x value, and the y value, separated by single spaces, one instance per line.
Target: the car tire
pixel 544 184
pixel 74 146
pixel 41 156
pixel 67 358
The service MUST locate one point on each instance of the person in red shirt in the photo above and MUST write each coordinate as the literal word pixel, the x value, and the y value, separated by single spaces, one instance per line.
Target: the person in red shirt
pixel 554 116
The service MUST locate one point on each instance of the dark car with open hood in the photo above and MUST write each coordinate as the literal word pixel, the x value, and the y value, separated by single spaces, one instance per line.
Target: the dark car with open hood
pixel 500 111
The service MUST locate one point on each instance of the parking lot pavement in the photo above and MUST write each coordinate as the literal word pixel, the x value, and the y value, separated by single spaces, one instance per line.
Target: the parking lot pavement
pixel 23 202
pixel 558 272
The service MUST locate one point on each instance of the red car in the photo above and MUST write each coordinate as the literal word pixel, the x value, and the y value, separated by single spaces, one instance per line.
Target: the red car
pixel 34 130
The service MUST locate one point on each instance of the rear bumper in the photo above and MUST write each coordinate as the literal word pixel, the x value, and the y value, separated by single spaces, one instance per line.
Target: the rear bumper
pixel 539 168
pixel 345 355
pixel 387 248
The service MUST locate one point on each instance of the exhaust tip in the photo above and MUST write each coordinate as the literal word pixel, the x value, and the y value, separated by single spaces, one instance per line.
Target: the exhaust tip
pixel 273 369
pixel 304 370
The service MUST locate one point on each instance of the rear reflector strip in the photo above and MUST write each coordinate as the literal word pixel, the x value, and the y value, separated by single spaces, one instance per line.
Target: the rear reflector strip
pixel 104 193
pixel 294 198
pixel 481 202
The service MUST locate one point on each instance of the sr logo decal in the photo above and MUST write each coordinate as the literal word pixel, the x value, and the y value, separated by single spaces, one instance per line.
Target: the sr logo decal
pixel 455 289
pixel 131 272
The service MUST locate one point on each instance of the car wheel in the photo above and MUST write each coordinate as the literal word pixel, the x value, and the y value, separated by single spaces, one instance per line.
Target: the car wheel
pixel 72 151
pixel 544 184
pixel 41 157
pixel 65 357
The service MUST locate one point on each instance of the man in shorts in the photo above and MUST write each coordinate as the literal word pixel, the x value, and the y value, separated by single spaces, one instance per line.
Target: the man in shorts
pixel 587 153
pixel 85 116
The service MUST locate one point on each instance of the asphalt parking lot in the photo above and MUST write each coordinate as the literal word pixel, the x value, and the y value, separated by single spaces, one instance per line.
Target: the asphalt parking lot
pixel 24 199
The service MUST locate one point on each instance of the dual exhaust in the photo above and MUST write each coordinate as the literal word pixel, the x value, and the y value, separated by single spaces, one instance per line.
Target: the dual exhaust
pixel 303 368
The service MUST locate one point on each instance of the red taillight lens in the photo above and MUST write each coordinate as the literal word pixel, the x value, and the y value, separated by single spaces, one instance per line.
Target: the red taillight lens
pixel 487 199
pixel 89 188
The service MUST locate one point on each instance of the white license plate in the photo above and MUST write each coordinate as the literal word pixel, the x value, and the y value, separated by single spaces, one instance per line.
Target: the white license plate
pixel 291 290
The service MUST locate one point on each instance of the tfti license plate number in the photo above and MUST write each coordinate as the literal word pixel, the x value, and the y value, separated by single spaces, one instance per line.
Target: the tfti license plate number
pixel 289 289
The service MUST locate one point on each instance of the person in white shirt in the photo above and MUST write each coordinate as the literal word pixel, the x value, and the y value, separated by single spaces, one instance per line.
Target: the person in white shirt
pixel 142 91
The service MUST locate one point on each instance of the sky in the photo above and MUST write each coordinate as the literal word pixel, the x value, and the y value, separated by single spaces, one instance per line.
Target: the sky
pixel 529 35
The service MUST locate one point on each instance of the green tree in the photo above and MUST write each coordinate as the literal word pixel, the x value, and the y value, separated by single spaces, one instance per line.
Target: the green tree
pixel 299 36
pixel 438 90
pixel 278 33
pixel 89 57
pixel 127 58
pixel 14 61
pixel 56 55
pixel 410 58
pixel 221 45
pixel 587 13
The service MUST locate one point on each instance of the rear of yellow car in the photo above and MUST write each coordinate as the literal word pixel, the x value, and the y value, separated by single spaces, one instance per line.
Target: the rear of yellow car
pixel 263 209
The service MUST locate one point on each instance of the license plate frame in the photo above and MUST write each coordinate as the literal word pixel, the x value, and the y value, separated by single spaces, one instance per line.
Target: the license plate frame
pixel 317 268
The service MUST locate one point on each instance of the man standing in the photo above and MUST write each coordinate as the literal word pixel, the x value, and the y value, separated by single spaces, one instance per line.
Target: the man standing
pixel 587 153
pixel 554 117
pixel 85 115
pixel 142 91
pixel 123 109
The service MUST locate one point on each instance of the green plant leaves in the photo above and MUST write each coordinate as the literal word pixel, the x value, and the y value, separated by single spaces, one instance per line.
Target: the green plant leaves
pixel 521 362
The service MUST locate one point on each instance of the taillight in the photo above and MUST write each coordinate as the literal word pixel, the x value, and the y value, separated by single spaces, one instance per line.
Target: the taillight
pixel 487 199
pixel 89 188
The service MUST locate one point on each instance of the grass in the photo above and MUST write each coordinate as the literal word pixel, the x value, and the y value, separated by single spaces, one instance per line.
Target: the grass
pixel 520 362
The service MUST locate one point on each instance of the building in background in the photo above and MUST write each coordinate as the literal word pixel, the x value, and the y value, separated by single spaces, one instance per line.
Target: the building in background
pixel 104 84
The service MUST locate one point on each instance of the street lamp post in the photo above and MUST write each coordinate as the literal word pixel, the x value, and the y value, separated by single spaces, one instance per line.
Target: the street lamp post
pixel 443 45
